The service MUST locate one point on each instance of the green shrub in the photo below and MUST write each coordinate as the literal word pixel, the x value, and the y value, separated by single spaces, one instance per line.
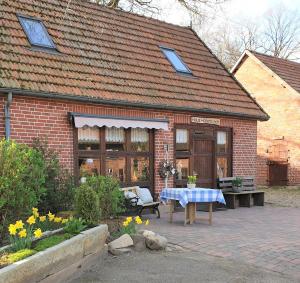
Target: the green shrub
pixel 87 204
pixel 22 179
pixel 111 199
pixel 75 226
pixel 59 182
pixel 51 241
pixel 19 255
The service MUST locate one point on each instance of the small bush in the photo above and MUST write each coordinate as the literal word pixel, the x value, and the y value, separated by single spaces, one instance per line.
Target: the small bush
pixel 75 226
pixel 87 204
pixel 19 255
pixel 59 183
pixel 51 241
pixel 111 199
pixel 22 180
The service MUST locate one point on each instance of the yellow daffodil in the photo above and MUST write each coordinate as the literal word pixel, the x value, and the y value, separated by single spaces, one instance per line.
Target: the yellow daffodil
pixel 38 233
pixel 19 224
pixel 129 219
pixel 31 220
pixel 23 233
pixel 64 221
pixel 138 221
pixel 12 229
pixel 125 223
pixel 35 212
pixel 42 218
pixel 57 219
pixel 147 222
pixel 51 216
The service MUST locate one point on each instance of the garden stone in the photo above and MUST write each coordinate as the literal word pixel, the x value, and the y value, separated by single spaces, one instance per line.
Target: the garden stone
pixel 139 242
pixel 155 242
pixel 120 251
pixel 146 233
pixel 124 241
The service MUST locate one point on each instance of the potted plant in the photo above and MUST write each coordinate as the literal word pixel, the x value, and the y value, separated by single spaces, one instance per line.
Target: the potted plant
pixel 237 185
pixel 191 184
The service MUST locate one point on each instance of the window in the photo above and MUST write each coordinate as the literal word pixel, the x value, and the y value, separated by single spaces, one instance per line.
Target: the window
pixel 182 168
pixel 175 60
pixel 139 140
pixel 36 32
pixel 222 142
pixel 182 139
pixel 125 154
pixel 223 152
pixel 115 138
pixel 88 138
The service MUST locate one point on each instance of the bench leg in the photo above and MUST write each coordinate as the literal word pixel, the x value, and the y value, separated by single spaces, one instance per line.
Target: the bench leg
pixel 156 209
pixel 259 199
pixel 231 201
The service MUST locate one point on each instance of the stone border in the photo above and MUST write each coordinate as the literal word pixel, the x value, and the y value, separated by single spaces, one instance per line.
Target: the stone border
pixel 58 263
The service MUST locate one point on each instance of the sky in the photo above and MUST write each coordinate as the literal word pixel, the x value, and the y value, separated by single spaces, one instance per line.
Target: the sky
pixel 233 9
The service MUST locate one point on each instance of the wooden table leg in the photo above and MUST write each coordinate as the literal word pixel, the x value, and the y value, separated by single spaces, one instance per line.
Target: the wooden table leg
pixel 171 210
pixel 210 213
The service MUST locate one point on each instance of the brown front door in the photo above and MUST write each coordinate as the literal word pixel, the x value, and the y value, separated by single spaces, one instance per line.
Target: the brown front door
pixel 278 173
pixel 203 160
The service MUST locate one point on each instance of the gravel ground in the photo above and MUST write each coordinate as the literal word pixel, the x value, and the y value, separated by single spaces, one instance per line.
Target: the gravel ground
pixel 282 196
pixel 176 267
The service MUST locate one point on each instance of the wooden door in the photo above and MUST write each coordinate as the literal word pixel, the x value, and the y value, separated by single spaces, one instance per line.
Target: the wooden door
pixel 203 161
pixel 278 173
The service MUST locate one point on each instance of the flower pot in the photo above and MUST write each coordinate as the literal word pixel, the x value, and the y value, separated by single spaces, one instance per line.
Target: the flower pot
pixel 236 189
pixel 191 186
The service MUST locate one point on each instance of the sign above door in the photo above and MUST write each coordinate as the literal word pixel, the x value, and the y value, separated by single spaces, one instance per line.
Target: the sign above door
pixel 201 120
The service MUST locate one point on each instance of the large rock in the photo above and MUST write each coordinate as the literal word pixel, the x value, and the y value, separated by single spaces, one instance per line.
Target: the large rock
pixel 124 241
pixel 119 251
pixel 139 242
pixel 155 241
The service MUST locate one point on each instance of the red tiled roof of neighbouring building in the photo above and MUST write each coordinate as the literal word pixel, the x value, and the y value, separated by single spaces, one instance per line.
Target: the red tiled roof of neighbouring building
pixel 113 56
pixel 287 70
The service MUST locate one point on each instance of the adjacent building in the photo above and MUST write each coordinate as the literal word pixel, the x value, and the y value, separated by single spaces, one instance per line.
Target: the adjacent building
pixel 275 84
pixel 117 93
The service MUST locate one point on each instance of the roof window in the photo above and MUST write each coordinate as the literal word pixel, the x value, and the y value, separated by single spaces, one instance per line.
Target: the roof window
pixel 175 60
pixel 36 32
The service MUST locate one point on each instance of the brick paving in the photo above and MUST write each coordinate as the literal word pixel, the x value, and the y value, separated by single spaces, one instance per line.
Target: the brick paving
pixel 268 237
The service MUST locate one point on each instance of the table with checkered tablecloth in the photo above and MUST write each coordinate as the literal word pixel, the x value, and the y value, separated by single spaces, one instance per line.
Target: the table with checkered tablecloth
pixel 188 199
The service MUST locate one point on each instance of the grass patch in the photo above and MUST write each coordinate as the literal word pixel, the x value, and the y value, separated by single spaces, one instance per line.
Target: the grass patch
pixel 51 241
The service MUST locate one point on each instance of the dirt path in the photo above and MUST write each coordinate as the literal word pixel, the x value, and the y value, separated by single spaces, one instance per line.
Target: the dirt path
pixel 173 267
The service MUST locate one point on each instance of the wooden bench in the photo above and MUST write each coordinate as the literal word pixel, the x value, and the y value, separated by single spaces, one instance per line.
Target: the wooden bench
pixel 248 197
pixel 133 202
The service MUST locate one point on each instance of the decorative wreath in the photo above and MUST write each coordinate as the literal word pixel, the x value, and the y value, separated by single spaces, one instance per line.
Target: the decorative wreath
pixel 166 168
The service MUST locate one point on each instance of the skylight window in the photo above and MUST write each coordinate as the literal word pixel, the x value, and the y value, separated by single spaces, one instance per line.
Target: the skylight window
pixel 36 32
pixel 175 60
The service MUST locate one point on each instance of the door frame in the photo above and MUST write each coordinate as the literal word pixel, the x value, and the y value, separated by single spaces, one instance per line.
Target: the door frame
pixel 189 154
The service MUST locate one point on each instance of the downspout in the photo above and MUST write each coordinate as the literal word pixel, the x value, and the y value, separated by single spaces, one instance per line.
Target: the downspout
pixel 7 115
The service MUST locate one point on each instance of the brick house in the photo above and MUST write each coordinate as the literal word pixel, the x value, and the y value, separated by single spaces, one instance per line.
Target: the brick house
pixel 117 93
pixel 275 84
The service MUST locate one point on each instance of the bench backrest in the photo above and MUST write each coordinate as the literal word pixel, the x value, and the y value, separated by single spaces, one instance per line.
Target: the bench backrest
pixel 130 189
pixel 225 184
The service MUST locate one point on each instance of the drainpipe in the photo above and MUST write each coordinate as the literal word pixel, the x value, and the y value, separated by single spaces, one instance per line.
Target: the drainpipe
pixel 7 115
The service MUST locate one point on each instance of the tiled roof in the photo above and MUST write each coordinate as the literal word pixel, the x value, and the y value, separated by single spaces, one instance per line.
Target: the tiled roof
pixel 110 55
pixel 287 70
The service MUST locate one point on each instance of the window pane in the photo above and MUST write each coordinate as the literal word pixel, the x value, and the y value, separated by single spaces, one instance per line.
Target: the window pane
pixel 182 139
pixel 222 167
pixel 182 167
pixel 36 32
pixel 140 169
pixel 89 167
pixel 175 60
pixel 222 142
pixel 115 167
pixel 88 138
pixel 139 140
pixel 115 139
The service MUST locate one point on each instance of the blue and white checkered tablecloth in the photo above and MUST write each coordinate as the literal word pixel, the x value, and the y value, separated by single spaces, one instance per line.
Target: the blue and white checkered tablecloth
pixel 185 195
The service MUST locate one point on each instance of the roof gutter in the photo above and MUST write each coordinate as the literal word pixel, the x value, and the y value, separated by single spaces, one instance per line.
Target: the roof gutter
pixel 7 115
pixel 87 99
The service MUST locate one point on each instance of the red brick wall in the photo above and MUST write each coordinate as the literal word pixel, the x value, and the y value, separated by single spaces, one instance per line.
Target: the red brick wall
pixel 32 117
pixel 282 104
